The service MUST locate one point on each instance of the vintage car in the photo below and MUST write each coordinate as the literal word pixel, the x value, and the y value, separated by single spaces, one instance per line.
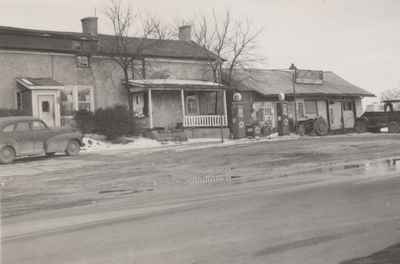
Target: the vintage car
pixel 27 136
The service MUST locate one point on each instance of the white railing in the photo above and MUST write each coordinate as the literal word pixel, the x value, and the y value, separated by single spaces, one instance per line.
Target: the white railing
pixel 204 121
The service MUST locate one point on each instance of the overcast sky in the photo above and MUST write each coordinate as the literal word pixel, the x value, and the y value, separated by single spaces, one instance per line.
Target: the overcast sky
pixel 357 39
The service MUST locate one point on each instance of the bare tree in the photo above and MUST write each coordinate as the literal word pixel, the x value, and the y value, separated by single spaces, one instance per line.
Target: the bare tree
pixel 391 94
pixel 134 34
pixel 234 40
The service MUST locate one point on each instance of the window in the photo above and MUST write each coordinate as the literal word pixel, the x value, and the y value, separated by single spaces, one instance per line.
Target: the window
pixel 19 101
pixel 67 101
pixel 82 61
pixel 22 126
pixel 347 106
pixel 37 125
pixel 74 98
pixel 9 128
pixel 310 107
pixel 84 98
pixel 300 110
pixel 192 105
pixel 45 107
pixel 138 104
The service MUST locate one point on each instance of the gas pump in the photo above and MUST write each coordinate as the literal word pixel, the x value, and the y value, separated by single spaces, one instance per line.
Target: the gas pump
pixel 283 118
pixel 238 125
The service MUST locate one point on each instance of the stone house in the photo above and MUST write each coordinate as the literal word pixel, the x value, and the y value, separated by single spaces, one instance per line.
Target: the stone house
pixel 51 74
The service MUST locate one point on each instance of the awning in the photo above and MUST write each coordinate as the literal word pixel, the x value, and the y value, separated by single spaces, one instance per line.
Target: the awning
pixel 173 84
pixel 39 83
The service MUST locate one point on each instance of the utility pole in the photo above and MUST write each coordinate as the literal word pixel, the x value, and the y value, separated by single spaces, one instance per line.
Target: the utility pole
pixel 294 69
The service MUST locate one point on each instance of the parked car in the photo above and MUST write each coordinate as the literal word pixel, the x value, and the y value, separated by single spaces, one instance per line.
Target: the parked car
pixel 27 136
pixel 373 120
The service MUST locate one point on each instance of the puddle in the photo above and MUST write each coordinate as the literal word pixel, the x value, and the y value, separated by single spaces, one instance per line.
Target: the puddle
pixel 112 191
pixel 126 191
pixel 368 168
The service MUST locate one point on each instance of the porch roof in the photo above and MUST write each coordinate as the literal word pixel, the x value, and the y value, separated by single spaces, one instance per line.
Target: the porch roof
pixel 39 83
pixel 173 84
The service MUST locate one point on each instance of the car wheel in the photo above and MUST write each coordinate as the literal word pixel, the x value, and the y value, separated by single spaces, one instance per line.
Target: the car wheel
pixel 394 127
pixel 7 155
pixel 73 148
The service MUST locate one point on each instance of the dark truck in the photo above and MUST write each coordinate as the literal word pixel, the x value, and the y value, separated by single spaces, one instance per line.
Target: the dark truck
pixel 374 121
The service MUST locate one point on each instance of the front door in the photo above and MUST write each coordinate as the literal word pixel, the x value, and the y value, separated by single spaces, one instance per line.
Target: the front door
pixel 46 104
pixel 348 114
pixel 335 115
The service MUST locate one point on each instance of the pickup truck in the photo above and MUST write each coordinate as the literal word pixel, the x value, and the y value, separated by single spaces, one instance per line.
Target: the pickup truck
pixel 374 121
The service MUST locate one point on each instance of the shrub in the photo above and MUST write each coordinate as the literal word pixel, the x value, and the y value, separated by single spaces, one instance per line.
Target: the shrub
pixel 11 112
pixel 84 121
pixel 113 122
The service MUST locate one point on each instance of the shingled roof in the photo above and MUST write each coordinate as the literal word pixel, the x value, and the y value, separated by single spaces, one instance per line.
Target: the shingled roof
pixel 74 42
pixel 274 82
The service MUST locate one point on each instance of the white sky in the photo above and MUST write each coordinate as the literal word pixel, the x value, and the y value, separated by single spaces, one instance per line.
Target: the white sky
pixel 357 39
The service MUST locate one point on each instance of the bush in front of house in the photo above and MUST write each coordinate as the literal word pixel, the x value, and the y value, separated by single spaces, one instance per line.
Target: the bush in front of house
pixel 11 112
pixel 113 122
pixel 84 120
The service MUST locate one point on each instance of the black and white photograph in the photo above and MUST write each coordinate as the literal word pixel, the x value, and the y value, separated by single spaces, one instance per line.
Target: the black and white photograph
pixel 200 132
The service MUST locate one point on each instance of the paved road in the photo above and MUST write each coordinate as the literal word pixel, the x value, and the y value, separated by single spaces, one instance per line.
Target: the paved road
pixel 284 202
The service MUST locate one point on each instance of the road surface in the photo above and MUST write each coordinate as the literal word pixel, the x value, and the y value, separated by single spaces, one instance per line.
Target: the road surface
pixel 321 200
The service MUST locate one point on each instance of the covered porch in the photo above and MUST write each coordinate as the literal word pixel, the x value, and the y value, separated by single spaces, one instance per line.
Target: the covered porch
pixel 166 103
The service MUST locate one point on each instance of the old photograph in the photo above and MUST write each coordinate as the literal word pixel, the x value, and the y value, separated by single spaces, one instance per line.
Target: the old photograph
pixel 193 132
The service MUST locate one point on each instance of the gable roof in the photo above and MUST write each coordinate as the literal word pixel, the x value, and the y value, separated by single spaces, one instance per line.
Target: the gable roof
pixel 75 43
pixel 274 82
pixel 167 48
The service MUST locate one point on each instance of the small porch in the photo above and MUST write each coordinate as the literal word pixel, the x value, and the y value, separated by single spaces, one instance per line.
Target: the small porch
pixel 165 103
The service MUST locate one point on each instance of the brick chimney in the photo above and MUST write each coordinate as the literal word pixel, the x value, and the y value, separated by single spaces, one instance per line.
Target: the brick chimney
pixel 89 25
pixel 185 33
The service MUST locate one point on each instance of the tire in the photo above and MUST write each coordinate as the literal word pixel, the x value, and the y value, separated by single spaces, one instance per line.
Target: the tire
pixel 394 127
pixel 73 148
pixel 7 155
pixel 360 126
pixel 301 130
pixel 320 126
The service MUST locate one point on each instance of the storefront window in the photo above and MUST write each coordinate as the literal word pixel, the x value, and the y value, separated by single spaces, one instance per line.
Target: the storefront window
pixel 300 110
pixel 310 107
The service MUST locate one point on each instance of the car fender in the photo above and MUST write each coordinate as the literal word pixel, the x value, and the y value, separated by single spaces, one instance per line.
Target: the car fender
pixel 58 143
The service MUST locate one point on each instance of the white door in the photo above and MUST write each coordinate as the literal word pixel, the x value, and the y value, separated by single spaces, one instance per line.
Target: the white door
pixel 335 115
pixel 46 105
pixel 348 114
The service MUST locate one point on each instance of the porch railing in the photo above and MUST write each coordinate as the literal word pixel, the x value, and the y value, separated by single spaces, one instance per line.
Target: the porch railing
pixel 204 121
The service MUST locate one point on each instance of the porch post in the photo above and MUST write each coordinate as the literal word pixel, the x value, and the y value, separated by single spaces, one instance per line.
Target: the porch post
pixel 183 106
pixel 225 107
pixel 150 109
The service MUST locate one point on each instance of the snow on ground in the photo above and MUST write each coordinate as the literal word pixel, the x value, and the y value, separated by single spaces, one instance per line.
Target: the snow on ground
pixel 97 143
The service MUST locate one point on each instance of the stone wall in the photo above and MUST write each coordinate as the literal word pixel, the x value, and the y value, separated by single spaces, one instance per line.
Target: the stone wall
pixel 103 74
